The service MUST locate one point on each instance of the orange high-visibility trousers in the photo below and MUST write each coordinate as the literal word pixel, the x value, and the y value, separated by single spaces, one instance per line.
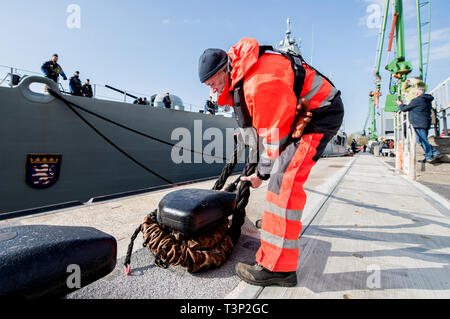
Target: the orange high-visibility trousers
pixel 285 201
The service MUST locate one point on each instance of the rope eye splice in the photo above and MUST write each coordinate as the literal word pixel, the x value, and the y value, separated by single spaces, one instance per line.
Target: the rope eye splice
pixel 204 248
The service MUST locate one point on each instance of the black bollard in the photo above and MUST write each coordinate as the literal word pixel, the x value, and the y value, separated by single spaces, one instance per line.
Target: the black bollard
pixel 52 261
pixel 195 210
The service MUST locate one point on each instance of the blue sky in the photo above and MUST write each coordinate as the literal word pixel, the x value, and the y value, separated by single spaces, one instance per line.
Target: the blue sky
pixel 153 46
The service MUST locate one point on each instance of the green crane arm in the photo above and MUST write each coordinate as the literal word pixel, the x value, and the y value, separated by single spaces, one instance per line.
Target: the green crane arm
pixel 383 31
pixel 367 117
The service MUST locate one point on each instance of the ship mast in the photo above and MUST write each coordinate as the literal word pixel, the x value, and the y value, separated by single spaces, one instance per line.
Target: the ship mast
pixel 289 44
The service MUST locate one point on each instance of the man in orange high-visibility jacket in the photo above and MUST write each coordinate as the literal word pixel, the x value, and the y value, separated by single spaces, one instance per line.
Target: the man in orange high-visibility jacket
pixel 287 158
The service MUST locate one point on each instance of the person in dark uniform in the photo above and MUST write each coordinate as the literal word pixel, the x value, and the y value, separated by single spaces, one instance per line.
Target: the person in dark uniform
pixel 87 89
pixel 167 102
pixel 354 146
pixel 52 69
pixel 210 106
pixel 75 85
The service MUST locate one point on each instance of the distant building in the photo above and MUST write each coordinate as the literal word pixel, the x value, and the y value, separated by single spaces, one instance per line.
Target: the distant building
pixel 385 123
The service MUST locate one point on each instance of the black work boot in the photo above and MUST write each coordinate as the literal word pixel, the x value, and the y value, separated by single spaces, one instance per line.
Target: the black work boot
pixel 260 276
pixel 435 158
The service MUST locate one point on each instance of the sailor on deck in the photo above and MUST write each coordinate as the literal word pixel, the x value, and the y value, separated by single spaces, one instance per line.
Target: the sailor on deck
pixel 167 101
pixel 87 89
pixel 210 106
pixel 52 69
pixel 76 88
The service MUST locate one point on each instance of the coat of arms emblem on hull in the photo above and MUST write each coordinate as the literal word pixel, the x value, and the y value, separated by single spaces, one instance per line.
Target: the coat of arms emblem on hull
pixel 42 170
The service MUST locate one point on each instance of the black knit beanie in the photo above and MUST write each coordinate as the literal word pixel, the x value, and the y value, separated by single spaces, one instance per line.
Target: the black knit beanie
pixel 211 61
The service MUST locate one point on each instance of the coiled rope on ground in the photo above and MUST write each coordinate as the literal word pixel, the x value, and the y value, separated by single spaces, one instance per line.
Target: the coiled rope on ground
pixel 197 252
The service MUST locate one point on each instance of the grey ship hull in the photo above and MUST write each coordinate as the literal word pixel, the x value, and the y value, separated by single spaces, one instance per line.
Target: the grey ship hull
pixel 32 123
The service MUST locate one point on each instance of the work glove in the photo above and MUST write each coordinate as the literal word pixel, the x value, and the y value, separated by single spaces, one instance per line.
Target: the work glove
pixel 302 118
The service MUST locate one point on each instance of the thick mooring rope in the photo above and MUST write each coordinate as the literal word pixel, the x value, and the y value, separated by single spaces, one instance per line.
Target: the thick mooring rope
pixel 197 252
pixel 193 252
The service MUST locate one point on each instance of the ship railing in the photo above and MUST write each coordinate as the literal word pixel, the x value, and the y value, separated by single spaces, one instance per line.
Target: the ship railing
pixel 441 104
pixel 10 77
pixel 405 145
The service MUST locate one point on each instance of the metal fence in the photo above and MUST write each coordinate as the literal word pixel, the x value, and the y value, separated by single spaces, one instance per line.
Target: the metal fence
pixel 405 135
pixel 405 145
pixel 10 77
pixel 441 104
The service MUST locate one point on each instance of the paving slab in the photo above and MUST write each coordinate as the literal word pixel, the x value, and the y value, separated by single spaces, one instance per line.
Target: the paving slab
pixel 368 233
pixel 120 217
pixel 377 236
